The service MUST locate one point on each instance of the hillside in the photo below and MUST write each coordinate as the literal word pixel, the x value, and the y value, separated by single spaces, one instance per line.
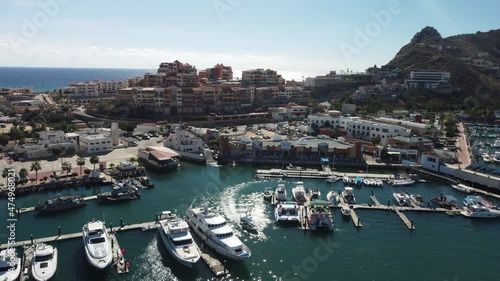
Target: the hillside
pixel 472 60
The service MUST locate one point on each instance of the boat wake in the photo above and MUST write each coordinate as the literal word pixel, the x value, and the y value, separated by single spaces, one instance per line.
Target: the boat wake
pixel 235 205
pixel 149 265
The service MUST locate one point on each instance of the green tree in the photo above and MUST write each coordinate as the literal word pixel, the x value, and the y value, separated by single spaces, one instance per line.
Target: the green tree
pixel 80 161
pixel 132 160
pixel 376 140
pixel 112 166
pixel 23 173
pixel 5 172
pixel 94 159
pixel 66 166
pixel 4 139
pixel 35 166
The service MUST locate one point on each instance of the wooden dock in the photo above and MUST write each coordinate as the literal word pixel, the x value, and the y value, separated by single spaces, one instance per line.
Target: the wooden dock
pixel 304 222
pixel 52 239
pixel 375 200
pixel 354 218
pixel 405 220
pixel 118 258
pixel 215 265
pixel 28 255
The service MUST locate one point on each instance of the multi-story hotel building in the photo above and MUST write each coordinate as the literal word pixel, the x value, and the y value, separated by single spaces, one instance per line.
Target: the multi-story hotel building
pixel 428 79
pixel 218 72
pixel 261 77
pixel 96 140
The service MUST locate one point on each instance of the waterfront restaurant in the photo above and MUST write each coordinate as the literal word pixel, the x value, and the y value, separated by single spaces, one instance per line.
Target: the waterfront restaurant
pixel 307 150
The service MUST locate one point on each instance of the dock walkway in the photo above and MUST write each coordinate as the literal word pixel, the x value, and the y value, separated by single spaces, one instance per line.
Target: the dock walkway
pixel 118 258
pixel 405 220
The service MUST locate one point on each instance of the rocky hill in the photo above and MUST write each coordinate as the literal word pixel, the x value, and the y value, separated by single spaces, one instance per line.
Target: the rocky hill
pixel 472 59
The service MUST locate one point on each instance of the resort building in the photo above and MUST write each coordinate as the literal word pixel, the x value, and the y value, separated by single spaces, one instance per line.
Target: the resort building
pixel 428 79
pixel 96 140
pixel 218 72
pixel 261 77
pixel 47 143
pixel 177 67
pixel 416 127
pixel 9 91
pixel 291 111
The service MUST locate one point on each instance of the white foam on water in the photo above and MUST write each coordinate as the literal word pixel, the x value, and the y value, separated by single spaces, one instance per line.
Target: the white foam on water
pixel 149 265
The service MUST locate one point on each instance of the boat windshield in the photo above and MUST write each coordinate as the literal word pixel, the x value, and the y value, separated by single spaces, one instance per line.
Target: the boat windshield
pixel 43 258
pixel 225 235
pixel 216 225
pixel 184 242
pixel 97 240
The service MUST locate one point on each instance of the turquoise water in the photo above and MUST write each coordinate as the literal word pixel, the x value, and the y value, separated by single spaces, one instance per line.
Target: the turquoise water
pixel 441 247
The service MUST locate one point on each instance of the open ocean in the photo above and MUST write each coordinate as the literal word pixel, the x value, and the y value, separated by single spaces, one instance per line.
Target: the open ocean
pixel 48 79
pixel 442 248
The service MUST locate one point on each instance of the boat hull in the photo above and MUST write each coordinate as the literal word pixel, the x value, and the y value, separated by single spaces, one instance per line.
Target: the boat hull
pixel 171 251
pixel 44 274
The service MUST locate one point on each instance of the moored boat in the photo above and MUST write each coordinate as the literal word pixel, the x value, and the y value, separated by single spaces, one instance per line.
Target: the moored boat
pixel 478 200
pixel 320 215
pixel 44 262
pixel 348 195
pixel 314 194
pixel 10 265
pixel 445 201
pixel 332 197
pixel 299 193
pixel 119 193
pixel 268 193
pixel 97 245
pixel 478 211
pixel 462 188
pixel 281 192
pixel 417 200
pixel 177 239
pixel 287 212
pixel 213 230
pixel 346 211
pixel 401 198
pixel 61 203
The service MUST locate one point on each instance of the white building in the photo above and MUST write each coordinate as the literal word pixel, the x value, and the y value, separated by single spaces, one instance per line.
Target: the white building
pixel 289 112
pixel 186 144
pixel 417 128
pixel 357 127
pixel 49 141
pixel 96 140
pixel 94 88
pixel 428 79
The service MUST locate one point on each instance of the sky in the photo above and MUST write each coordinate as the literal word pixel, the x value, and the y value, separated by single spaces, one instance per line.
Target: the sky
pixel 298 38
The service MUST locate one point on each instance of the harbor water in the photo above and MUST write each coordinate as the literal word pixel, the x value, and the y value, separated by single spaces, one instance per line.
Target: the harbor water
pixel 441 248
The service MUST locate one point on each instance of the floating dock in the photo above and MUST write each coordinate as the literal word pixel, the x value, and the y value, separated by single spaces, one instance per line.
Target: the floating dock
pixel 118 258
pixel 28 254
pixel 405 220
pixel 215 265
pixel 375 200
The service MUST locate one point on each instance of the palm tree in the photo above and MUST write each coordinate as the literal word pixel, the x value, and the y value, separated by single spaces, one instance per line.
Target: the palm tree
pixel 80 161
pixel 5 172
pixel 66 166
pixel 23 173
pixel 35 166
pixel 94 159
pixel 132 160
pixel 112 166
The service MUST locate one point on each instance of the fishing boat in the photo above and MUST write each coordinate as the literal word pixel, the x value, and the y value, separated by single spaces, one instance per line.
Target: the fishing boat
pixel 462 188
pixel 348 195
pixel 61 203
pixel 417 200
pixel 332 197
pixel 401 198
pixel 10 265
pixel 287 212
pixel 97 245
pixel 320 215
pixel 478 200
pixel 268 193
pixel 299 193
pixel 217 234
pixel 478 211
pixel 177 239
pixel 314 194
pixel 248 224
pixel 281 192
pixel 44 262
pixel 445 201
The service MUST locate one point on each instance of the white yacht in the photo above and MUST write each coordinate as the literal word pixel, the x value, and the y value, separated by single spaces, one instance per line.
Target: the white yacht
pixel 299 193
pixel 10 265
pixel 477 211
pixel 97 245
pixel 348 195
pixel 213 229
pixel 486 157
pixel 401 198
pixel 417 200
pixel 401 182
pixel 287 212
pixel 44 262
pixel 281 192
pixel 332 197
pixel 174 233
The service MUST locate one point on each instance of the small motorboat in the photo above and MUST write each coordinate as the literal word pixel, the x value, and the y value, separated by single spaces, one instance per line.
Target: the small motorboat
pixel 462 187
pixel 332 197
pixel 346 211
pixel 402 198
pixel 44 262
pixel 281 192
pixel 314 194
pixel 268 193
pixel 247 224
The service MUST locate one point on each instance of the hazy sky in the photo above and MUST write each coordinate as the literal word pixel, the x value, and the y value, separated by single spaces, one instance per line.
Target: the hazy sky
pixel 297 38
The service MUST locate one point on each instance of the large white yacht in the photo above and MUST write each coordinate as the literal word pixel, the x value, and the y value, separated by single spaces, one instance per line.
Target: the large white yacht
pixel 477 211
pixel 44 262
pixel 213 229
pixel 177 239
pixel 10 266
pixel 97 245
pixel 299 193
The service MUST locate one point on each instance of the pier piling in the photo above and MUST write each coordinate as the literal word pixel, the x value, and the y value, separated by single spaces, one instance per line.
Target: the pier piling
pixel 59 231
pixel 111 227
pixel 31 238
pixel 121 222
pixel 388 203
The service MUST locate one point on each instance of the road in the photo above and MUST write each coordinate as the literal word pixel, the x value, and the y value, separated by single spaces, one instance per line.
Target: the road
pixel 463 153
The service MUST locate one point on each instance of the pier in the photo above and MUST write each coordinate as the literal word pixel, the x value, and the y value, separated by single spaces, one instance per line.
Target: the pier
pixel 118 258
pixel 405 220
pixel 315 174
pixel 26 259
